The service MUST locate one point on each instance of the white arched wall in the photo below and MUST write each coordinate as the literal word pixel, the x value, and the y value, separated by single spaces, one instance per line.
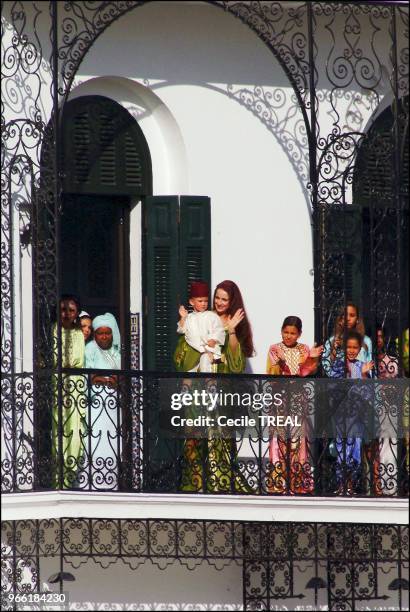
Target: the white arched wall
pixel 175 70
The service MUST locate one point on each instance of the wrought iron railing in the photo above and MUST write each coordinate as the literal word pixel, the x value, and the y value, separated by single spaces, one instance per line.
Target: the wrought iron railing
pixel 123 430
pixel 329 566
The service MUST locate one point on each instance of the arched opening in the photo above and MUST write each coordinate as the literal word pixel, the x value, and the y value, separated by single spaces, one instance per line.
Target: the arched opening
pixel 106 169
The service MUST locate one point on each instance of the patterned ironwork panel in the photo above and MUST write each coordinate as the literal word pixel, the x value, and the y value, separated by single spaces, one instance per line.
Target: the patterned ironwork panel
pixel 331 566
pixel 135 340
pixel 350 438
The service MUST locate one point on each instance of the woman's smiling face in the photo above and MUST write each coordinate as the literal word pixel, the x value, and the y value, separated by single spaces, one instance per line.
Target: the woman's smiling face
pixel 221 302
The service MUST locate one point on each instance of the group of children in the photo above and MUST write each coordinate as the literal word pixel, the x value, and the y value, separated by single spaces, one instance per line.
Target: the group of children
pixel 348 353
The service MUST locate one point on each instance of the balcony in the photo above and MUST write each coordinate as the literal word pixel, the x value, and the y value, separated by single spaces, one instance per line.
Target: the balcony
pixel 248 435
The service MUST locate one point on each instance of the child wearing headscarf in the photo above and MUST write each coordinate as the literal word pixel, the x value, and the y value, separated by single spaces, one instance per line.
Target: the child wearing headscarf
pixel 86 325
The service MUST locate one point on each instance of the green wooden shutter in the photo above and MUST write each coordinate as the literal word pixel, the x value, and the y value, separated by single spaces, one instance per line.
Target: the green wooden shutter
pixel 343 257
pixel 160 281
pixel 104 149
pixel 177 251
pixel 161 248
pixel 374 173
pixel 194 242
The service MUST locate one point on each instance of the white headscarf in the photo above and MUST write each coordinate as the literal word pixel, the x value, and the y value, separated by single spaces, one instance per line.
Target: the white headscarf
pixel 108 320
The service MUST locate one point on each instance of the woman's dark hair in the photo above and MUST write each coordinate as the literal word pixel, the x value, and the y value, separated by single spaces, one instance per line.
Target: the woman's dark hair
pixel 294 321
pixel 389 343
pixel 243 330
pixel 354 335
pixel 339 326
pixel 68 297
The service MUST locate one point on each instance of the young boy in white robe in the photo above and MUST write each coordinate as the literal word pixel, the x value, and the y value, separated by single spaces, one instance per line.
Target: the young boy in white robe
pixel 202 328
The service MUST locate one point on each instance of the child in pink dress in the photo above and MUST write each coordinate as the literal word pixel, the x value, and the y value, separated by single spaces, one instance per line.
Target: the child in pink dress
pixel 291 358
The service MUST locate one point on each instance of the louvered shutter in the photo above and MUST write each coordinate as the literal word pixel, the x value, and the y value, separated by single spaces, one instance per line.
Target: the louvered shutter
pixel 106 146
pixel 133 170
pixel 160 281
pixel 376 184
pixel 343 259
pixel 195 242
pixel 375 181
pixel 104 149
pixel 177 251
pixel 80 137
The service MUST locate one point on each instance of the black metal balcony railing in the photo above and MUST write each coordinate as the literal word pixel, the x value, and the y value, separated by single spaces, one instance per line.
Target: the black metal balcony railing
pixel 124 431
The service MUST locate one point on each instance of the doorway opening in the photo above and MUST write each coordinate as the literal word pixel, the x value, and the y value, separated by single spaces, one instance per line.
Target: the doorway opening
pixel 107 169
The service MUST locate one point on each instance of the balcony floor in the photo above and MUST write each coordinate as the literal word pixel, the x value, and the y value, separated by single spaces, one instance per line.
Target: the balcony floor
pixel 67 504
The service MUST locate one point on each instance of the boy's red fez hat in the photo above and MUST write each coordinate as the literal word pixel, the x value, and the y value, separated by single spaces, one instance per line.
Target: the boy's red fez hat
pixel 198 289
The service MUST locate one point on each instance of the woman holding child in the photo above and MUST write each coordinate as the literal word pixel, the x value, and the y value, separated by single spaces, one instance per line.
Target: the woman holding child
pixel 229 355
pixel 236 342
